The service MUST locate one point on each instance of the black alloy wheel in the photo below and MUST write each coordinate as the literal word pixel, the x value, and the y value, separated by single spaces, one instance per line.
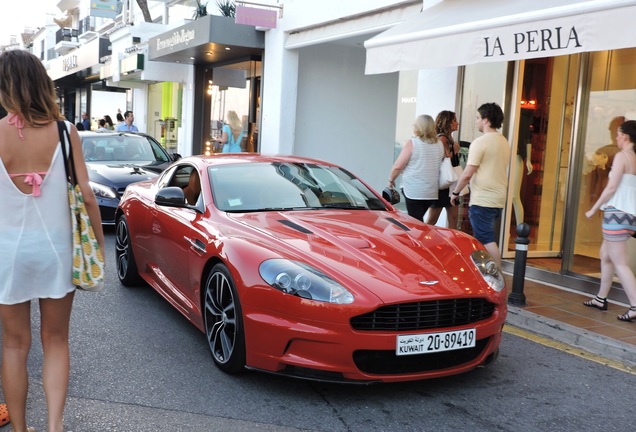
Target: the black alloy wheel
pixel 124 258
pixel 223 321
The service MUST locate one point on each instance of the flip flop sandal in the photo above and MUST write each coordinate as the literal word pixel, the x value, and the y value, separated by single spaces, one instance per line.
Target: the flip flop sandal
pixel 4 415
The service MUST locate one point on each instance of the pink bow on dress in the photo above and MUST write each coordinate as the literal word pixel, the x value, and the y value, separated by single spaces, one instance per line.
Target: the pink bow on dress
pixel 35 180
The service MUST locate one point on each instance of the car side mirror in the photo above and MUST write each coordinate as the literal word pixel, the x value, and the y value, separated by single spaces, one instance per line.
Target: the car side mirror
pixel 175 156
pixel 171 196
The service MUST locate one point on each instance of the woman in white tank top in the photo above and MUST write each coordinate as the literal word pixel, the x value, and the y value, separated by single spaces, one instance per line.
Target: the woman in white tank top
pixel 419 163
pixel 618 202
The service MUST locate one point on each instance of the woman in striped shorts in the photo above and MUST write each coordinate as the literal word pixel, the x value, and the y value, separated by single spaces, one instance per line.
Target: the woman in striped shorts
pixel 618 202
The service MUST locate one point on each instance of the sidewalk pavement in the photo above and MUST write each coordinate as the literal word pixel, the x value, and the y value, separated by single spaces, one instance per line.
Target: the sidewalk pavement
pixel 558 313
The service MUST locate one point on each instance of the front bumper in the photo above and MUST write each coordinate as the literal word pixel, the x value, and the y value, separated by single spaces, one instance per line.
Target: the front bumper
pixel 335 352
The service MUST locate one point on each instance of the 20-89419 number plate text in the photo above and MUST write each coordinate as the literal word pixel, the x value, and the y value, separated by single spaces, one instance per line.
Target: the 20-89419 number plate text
pixel 434 342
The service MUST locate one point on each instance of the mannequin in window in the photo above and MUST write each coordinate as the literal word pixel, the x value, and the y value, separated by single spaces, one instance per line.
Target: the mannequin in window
pixel 603 158
pixel 524 153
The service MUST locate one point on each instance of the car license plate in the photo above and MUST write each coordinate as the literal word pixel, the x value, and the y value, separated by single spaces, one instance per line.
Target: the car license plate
pixel 434 342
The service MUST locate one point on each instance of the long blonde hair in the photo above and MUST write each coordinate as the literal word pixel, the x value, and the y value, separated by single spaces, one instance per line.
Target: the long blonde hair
pixel 234 121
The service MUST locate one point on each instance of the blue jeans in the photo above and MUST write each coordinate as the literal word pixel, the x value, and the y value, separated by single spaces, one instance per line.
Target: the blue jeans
pixel 483 220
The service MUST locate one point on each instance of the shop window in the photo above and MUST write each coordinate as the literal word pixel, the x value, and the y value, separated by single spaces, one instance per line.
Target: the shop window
pixel 611 99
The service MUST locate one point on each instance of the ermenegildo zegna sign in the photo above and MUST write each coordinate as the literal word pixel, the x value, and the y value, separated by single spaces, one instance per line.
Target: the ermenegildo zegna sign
pixel 548 40
pixel 201 32
pixel 177 40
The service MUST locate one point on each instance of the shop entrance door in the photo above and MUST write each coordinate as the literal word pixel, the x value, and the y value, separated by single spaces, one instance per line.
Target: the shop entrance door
pixel 233 91
pixel 540 169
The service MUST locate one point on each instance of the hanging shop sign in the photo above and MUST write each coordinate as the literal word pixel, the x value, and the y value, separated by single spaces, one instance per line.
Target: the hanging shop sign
pixel 104 8
pixel 257 17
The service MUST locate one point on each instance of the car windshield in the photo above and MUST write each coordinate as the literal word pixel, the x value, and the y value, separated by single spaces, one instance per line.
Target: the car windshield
pixel 122 148
pixel 288 186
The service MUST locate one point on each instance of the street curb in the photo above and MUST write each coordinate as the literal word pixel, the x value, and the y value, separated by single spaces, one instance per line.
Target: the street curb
pixel 591 342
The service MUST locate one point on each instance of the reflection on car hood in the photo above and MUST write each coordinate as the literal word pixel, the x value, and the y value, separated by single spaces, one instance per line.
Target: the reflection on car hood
pixel 386 253
pixel 118 173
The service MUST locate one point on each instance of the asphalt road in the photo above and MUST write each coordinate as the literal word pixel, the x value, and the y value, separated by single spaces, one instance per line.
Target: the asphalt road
pixel 138 365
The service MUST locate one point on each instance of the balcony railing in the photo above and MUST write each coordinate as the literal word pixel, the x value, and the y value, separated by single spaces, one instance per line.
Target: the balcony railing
pixel 66 34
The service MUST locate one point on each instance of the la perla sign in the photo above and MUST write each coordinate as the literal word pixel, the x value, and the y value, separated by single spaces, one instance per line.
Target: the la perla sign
pixel 545 40
pixel 69 63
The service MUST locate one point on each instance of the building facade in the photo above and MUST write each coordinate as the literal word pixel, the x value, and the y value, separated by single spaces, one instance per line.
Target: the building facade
pixel 352 76
pixel 343 81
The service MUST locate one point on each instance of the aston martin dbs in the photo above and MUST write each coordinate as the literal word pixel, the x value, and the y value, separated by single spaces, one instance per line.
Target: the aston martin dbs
pixel 296 266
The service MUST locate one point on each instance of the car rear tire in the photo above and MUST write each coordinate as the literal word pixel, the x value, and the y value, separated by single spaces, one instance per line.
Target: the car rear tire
pixel 223 320
pixel 124 258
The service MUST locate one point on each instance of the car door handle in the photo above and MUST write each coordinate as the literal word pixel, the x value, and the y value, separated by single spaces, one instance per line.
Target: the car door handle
pixel 197 244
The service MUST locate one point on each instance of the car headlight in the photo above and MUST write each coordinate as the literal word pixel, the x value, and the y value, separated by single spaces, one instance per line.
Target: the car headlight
pixel 488 269
pixel 102 191
pixel 296 278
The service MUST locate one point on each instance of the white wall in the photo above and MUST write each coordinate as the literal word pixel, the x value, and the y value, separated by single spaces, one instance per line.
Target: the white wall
pixel 344 116
pixel 106 102
pixel 436 91
pixel 279 87
pixel 307 13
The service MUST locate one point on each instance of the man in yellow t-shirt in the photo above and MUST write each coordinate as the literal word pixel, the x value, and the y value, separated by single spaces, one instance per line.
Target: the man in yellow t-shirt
pixel 487 171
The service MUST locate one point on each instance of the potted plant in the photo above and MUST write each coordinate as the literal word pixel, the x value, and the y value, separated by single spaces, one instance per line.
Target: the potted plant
pixel 227 8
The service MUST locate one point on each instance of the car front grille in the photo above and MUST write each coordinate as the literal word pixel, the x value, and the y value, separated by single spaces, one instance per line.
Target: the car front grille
pixel 425 315
pixel 387 363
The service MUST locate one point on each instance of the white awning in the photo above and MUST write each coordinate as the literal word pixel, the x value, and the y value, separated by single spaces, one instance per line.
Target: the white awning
pixel 464 32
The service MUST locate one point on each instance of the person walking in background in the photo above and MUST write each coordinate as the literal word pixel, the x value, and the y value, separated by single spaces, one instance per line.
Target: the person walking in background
pixel 120 120
pixel 127 125
pixel 618 201
pixel 232 134
pixel 86 122
pixel 35 233
pixel 487 172
pixel 79 126
pixel 102 125
pixel 445 124
pixel 109 122
pixel 419 163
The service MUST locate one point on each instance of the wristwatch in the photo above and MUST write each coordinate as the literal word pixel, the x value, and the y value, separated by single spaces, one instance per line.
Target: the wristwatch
pixel 455 193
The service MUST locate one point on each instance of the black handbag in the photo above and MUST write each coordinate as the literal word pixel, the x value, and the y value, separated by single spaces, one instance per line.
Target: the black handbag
pixel 391 195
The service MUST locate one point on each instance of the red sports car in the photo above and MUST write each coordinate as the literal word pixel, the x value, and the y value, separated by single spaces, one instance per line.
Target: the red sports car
pixel 295 266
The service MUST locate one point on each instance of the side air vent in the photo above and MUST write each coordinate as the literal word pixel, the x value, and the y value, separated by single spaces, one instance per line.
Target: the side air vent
pixel 295 226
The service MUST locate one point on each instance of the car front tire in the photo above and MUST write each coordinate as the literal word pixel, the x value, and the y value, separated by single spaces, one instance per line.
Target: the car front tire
pixel 223 320
pixel 124 258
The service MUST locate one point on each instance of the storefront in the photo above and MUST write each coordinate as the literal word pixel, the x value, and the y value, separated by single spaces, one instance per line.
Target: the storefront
pixel 564 81
pixel 227 74
pixel 73 75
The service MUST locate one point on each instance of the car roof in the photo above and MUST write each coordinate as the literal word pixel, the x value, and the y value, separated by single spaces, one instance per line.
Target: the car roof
pixel 89 134
pixel 237 158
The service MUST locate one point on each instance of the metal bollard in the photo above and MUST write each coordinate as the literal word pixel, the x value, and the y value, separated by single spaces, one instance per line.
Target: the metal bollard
pixel 517 297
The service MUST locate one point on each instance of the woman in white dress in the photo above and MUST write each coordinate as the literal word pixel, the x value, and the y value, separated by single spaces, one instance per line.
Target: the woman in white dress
pixel 35 234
